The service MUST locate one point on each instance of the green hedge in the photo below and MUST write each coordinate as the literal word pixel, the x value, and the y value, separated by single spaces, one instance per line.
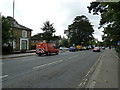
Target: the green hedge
pixel 33 46
pixel 7 50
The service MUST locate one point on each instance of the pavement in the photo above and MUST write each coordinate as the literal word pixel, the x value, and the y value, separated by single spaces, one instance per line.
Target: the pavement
pixel 19 54
pixel 105 74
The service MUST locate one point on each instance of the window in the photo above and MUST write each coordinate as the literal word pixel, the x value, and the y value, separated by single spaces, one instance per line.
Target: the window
pixel 24 33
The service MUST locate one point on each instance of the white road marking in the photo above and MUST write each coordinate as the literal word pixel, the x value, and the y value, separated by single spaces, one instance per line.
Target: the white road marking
pixel 88 71
pixel 86 80
pixel 47 64
pixel 3 76
pixel 116 56
pixel 87 74
pixel 84 83
pixel 55 62
pixel 80 84
pixel 93 67
pixel 96 69
pixel 83 79
pixel 72 57
pixel 39 66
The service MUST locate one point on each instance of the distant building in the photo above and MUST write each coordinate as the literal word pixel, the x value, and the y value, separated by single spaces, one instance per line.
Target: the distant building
pixel 38 38
pixel 22 34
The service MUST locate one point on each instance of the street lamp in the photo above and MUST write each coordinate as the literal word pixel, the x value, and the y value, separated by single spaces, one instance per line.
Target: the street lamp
pixel 13 7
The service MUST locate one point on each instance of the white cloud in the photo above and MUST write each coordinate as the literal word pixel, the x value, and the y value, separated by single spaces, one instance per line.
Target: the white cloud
pixel 32 13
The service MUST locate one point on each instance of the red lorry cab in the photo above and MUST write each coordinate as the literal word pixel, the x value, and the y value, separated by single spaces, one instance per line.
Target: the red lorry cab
pixel 46 48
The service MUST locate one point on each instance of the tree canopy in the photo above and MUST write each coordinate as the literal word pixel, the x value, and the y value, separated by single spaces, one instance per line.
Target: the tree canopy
pixel 48 31
pixel 7 34
pixel 110 20
pixel 80 31
pixel 48 27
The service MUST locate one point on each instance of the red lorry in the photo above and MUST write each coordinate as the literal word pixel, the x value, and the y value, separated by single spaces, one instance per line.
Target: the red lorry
pixel 46 48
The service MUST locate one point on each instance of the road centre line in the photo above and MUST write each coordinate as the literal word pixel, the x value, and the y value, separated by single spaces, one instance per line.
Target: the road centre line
pixel 3 76
pixel 47 64
pixel 72 57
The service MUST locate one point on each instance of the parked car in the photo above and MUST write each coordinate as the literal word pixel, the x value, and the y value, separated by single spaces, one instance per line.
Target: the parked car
pixel 96 49
pixel 63 48
pixel 84 48
pixel 79 47
pixel 103 48
pixel 73 49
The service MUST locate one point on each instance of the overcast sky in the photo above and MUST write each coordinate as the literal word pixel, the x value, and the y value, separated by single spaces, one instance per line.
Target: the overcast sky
pixel 32 13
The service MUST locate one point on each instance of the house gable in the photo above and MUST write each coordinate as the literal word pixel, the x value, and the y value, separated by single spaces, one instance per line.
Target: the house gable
pixel 22 34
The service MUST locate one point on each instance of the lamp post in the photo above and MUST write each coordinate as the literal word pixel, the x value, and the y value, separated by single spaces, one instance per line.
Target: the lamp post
pixel 0 34
pixel 13 25
pixel 13 7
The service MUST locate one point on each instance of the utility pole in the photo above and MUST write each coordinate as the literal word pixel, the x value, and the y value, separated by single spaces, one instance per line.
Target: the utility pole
pixel 0 48
pixel 13 7
pixel 13 21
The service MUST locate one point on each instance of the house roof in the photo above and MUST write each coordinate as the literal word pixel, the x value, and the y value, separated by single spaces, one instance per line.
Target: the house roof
pixel 17 25
pixel 37 36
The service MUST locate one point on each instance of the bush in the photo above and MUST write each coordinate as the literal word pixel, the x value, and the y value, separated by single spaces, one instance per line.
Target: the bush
pixel 33 46
pixel 7 49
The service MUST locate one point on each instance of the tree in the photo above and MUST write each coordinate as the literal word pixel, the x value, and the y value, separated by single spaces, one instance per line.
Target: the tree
pixel 48 31
pixel 64 42
pixel 7 35
pixel 80 31
pixel 110 20
pixel 6 27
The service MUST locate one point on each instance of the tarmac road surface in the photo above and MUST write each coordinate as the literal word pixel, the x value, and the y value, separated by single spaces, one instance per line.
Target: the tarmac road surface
pixel 66 70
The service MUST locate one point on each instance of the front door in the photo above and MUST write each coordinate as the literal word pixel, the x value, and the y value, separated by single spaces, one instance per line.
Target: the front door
pixel 24 45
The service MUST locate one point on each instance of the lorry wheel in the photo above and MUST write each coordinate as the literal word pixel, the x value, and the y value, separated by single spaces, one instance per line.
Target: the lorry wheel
pixel 57 53
pixel 48 53
pixel 39 54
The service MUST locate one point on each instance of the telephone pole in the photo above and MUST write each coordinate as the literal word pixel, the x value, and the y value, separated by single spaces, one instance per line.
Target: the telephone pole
pixel 13 7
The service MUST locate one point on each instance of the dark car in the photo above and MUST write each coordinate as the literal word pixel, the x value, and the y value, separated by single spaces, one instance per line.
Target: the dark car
pixel 73 49
pixel 96 49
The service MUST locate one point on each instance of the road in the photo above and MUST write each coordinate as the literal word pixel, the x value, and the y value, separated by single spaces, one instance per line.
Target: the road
pixel 66 70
